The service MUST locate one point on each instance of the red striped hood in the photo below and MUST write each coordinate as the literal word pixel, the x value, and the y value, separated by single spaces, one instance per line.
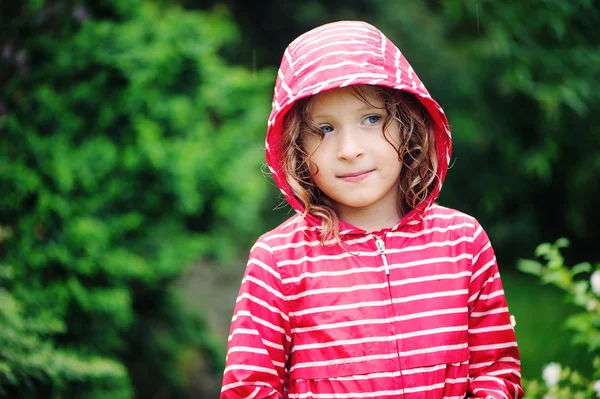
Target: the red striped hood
pixel 340 54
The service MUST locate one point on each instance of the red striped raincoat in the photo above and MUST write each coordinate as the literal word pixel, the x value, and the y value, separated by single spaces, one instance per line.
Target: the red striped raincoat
pixel 413 311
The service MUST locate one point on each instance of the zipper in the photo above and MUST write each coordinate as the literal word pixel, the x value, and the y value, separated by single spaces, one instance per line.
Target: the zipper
pixel 381 249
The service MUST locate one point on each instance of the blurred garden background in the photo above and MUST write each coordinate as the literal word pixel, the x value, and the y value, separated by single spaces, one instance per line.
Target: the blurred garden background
pixel 132 183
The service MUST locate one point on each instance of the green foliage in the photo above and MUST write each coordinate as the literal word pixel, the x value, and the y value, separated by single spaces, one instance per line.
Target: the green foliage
pixel 115 124
pixel 559 382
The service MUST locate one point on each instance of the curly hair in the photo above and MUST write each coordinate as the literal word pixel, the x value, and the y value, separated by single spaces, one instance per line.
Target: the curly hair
pixel 416 153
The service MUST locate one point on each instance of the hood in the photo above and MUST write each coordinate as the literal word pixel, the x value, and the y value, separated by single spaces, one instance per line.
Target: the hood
pixel 340 54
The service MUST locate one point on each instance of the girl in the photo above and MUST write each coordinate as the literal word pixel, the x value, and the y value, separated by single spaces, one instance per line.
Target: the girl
pixel 372 289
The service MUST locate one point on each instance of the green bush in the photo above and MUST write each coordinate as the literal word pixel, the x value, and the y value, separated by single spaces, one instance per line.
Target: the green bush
pixel 116 117
pixel 581 283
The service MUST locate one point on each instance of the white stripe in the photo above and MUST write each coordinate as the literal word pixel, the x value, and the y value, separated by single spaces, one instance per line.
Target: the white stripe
pixel 247 367
pixel 264 285
pixel 262 245
pixel 490 390
pixel 245 383
pixel 338 361
pixel 477 232
pixel 336 290
pixel 288 57
pixel 384 320
pixel 267 268
pixel 387 302
pixel 454 293
pixel 272 345
pixel 375 253
pixel 322 258
pixel 493 346
pixel 258 320
pixel 342 78
pixel 433 244
pixel 315 243
pixel 262 303
pixel 444 259
pixel 371 376
pixel 490 329
pixel 489 312
pixel 283 84
pixel 242 331
pixel 423 388
pixel 296 219
pixel 492 295
pixel 248 349
pixel 341 324
pixel 430 230
pixel 485 247
pixel 433 331
pixel 384 338
pixel 253 394
pixel 323 30
pixel 341 307
pixel 483 268
pixel 505 371
pixel 336 44
pixel 419 370
pixel 333 273
pixel 332 53
pixel 484 296
pixel 430 313
pixel 284 235
pixel 346 395
pixel 435 277
pixel 434 349
pixel 447 216
pixel 338 65
pixel 345 34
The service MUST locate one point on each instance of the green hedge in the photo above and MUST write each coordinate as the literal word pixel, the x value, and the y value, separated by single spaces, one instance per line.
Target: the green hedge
pixel 115 121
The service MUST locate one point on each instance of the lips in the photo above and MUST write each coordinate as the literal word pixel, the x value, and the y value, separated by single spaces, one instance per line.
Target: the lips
pixel 355 176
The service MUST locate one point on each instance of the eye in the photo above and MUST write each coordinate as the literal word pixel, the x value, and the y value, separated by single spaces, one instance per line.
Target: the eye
pixel 326 129
pixel 372 119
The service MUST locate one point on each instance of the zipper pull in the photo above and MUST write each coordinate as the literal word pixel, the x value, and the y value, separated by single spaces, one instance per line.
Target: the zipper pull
pixel 381 249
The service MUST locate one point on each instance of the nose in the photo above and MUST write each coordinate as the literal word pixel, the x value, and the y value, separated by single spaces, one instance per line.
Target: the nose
pixel 350 144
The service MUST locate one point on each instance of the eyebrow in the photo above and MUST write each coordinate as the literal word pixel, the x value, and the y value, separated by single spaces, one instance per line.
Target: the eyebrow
pixel 366 107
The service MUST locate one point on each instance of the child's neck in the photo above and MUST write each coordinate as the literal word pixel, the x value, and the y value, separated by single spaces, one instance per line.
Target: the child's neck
pixel 369 219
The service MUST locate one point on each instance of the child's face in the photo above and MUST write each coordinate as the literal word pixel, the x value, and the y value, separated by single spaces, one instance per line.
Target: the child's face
pixel 354 164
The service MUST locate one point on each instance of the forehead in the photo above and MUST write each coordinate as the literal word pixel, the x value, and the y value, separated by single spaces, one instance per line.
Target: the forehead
pixel 355 96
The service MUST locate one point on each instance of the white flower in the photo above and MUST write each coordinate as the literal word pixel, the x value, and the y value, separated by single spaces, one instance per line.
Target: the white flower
pixel 597 388
pixel 595 282
pixel 591 305
pixel 551 374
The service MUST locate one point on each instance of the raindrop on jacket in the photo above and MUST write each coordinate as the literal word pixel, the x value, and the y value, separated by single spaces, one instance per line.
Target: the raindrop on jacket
pixel 414 311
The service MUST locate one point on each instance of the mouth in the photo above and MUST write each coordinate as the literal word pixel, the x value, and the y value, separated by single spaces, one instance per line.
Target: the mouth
pixel 355 176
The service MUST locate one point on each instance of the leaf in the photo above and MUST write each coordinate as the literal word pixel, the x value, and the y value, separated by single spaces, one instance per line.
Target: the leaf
pixel 581 268
pixel 562 243
pixel 543 249
pixel 530 266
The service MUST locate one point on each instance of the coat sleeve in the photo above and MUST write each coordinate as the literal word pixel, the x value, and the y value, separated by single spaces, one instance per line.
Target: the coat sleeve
pixel 259 337
pixel 494 370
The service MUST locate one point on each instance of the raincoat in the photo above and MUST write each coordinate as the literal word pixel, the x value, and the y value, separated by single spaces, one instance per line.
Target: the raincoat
pixel 413 311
